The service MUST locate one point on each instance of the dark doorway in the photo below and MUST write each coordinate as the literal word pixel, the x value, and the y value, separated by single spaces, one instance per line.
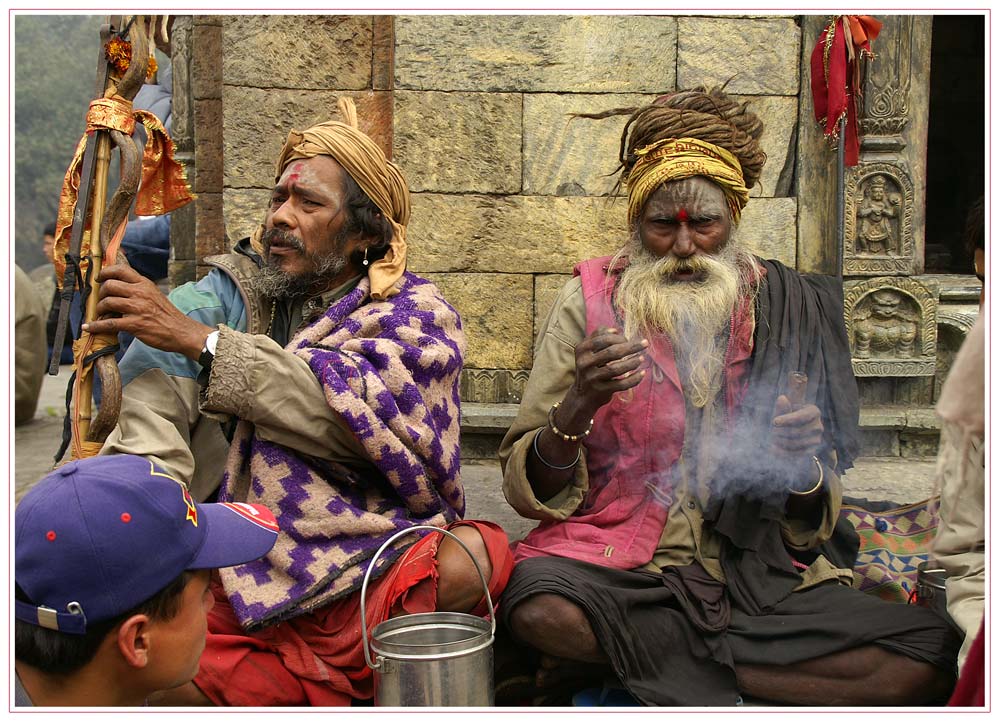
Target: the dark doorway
pixel 956 138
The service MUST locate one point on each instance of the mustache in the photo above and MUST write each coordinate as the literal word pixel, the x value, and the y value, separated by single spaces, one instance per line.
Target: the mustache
pixel 670 265
pixel 279 237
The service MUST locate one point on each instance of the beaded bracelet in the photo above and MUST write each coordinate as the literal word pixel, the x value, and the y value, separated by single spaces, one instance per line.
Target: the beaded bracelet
pixel 560 434
pixel 818 483
pixel 541 458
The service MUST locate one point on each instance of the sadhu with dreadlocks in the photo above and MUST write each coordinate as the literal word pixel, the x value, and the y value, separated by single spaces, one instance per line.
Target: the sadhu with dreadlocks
pixel 680 440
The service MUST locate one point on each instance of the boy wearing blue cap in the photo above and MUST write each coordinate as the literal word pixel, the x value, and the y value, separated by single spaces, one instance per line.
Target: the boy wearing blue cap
pixel 112 565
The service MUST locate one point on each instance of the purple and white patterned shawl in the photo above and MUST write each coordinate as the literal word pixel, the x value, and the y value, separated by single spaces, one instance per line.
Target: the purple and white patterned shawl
pixel 391 371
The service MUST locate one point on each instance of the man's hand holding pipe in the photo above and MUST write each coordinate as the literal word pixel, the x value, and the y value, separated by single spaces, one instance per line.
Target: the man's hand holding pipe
pixel 132 303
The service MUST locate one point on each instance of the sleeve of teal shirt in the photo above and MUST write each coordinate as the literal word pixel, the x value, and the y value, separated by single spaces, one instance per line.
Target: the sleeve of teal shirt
pixel 213 300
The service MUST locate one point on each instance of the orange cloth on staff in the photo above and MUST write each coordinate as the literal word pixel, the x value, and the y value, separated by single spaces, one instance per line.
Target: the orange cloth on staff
pixel 163 189
pixel 316 659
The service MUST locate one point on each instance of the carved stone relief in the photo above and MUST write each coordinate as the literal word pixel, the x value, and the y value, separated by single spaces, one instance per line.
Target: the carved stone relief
pixel 954 323
pixel 878 224
pixel 887 90
pixel 493 386
pixel 892 327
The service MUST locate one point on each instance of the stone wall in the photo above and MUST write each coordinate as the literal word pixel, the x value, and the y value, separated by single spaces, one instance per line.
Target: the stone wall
pixel 509 189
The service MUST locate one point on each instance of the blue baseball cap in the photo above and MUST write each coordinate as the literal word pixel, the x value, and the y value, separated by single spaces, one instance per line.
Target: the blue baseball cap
pixel 99 536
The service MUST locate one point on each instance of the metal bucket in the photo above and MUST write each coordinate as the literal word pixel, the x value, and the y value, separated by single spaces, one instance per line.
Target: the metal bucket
pixel 931 588
pixel 436 659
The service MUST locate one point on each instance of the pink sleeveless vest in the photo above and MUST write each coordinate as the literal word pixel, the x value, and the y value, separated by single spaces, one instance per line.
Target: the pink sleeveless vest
pixel 633 449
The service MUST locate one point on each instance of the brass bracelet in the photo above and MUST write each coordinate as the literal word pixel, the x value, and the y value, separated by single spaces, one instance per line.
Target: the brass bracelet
pixel 819 483
pixel 562 435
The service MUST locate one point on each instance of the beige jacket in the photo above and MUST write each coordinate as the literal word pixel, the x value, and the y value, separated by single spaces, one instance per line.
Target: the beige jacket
pixel 30 349
pixel 959 546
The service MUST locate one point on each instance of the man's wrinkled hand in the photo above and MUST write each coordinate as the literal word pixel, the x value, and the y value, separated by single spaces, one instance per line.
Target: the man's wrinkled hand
pixel 795 433
pixel 131 303
pixel 607 362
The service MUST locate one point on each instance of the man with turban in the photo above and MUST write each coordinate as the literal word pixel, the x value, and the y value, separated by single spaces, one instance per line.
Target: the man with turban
pixel 687 496
pixel 309 371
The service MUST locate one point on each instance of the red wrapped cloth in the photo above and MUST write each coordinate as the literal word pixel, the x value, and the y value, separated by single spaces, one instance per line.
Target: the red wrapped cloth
pixel 836 76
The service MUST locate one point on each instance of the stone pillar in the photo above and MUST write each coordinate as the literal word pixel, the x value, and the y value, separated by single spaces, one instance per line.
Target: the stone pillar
pixel 210 231
pixel 181 267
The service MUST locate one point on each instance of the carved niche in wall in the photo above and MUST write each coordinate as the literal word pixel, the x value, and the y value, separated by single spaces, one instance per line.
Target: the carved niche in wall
pixel 885 108
pixel 493 386
pixel 892 327
pixel 878 222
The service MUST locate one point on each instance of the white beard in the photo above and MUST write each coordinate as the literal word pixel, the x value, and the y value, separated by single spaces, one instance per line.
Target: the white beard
pixel 692 314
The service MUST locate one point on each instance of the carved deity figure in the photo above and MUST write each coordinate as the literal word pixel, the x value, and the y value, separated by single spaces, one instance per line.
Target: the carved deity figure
pixel 886 329
pixel 876 234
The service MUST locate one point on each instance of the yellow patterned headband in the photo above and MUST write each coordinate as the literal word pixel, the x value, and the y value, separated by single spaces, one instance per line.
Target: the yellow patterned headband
pixel 676 159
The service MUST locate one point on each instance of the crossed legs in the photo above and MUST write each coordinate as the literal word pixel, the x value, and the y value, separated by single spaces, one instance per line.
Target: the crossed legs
pixel 866 675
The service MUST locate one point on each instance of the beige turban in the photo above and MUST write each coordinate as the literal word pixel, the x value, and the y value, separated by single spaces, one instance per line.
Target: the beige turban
pixel 378 177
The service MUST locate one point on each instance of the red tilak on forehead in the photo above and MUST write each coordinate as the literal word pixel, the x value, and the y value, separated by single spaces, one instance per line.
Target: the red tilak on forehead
pixel 682 216
pixel 293 175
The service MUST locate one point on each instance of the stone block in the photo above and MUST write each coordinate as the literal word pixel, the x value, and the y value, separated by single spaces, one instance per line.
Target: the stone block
pixel 768 224
pixel 459 142
pixel 547 287
pixel 383 51
pixel 536 53
pixel 244 210
pixel 476 446
pixel 516 234
pixel 918 444
pixel 567 156
pixel 256 123
pixel 206 61
pixel 882 417
pixel 879 443
pixel 780 117
pixel 298 51
pixel 208 148
pixel 755 56
pixel 488 418
pixel 210 235
pixel 496 315
pixel 180 272
pixel 182 233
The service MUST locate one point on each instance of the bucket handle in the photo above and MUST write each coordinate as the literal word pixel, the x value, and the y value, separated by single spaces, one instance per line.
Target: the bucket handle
pixel 390 540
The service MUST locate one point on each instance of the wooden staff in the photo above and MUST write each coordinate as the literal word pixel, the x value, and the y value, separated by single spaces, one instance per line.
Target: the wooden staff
pixel 104 220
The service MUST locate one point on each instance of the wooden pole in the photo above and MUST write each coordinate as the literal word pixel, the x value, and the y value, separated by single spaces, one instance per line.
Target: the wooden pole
pixel 96 259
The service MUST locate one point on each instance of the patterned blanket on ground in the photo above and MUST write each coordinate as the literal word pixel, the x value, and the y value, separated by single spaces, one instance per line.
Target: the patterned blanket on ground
pixel 391 371
pixel 894 541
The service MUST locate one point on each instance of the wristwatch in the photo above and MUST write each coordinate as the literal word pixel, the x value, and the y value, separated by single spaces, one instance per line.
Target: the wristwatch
pixel 208 352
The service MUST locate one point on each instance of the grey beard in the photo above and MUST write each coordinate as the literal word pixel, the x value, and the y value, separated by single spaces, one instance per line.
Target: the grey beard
pixel 272 282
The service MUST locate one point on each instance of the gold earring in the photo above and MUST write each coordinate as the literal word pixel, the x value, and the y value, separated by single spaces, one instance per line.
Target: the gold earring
pixel 364 261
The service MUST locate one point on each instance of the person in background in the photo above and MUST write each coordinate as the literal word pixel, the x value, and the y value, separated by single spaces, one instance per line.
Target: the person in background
pixel 959 546
pixel 29 347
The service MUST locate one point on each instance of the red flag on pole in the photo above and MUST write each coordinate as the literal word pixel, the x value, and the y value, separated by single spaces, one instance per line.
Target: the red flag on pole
pixel 836 76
